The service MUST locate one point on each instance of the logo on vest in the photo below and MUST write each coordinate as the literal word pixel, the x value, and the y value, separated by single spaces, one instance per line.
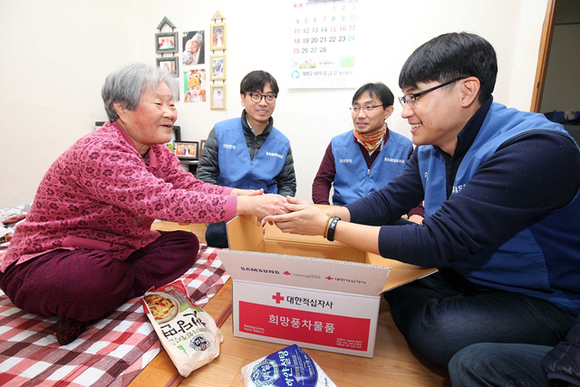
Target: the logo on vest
pixel 229 146
pixel 392 160
pixel 457 188
pixel 346 161
pixel 274 155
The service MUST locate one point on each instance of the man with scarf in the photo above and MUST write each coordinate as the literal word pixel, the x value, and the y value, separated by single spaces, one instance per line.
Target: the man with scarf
pixel 365 159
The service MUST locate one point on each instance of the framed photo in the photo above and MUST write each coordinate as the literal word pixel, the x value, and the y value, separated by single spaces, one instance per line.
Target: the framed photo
pixel 166 42
pixel 218 97
pixel 176 135
pixel 170 64
pixel 98 124
pixel 188 150
pixel 218 36
pixel 218 67
pixel 194 85
pixel 193 48
pixel 201 145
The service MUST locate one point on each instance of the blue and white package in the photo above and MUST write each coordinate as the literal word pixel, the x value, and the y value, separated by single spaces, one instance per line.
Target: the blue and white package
pixel 290 366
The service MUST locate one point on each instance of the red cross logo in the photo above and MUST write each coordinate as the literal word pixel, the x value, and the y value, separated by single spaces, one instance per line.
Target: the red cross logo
pixel 278 297
pixel 329 278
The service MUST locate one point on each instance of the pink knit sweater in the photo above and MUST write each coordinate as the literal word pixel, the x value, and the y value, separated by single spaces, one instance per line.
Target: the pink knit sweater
pixel 101 194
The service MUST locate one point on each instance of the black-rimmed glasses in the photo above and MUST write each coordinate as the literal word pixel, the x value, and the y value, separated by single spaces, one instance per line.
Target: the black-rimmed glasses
pixel 367 109
pixel 411 99
pixel 257 97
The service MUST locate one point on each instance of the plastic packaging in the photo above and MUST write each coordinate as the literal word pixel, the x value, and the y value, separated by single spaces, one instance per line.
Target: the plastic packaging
pixel 189 335
pixel 290 366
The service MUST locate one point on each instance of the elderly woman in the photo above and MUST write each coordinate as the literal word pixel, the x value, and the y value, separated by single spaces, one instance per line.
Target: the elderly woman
pixel 87 244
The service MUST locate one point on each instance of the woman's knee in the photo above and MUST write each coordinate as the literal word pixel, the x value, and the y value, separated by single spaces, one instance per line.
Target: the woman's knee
pixel 79 284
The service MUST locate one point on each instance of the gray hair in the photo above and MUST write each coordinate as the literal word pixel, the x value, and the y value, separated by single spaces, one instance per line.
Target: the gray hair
pixel 126 84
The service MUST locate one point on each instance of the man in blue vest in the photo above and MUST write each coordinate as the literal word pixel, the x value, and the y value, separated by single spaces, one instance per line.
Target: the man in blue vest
pixel 501 190
pixel 248 152
pixel 366 158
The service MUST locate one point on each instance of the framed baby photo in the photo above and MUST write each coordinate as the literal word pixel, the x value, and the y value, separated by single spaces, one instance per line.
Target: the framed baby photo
pixel 166 42
pixel 193 48
pixel 218 67
pixel 187 150
pixel 169 63
pixel 218 36
pixel 218 97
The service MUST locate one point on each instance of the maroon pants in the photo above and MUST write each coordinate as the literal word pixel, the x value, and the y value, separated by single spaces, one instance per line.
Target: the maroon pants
pixel 87 284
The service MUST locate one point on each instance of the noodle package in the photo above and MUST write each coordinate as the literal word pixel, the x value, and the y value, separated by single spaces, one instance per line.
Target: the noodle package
pixel 189 335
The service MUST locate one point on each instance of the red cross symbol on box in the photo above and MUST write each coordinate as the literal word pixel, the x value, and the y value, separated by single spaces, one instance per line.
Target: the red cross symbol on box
pixel 329 278
pixel 278 297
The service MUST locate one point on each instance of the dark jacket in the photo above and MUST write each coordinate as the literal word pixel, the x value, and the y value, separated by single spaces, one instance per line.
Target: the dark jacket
pixel 208 167
pixel 563 362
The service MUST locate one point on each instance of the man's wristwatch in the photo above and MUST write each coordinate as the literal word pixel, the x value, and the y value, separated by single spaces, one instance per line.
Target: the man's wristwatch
pixel 332 228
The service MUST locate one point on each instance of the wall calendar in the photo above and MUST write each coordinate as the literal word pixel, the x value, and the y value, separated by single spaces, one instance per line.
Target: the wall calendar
pixel 323 44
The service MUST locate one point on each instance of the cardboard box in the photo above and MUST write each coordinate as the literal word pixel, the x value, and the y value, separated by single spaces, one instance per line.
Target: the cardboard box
pixel 305 290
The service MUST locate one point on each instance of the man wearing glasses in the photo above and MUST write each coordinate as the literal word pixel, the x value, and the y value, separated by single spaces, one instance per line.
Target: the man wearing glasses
pixel 248 152
pixel 366 158
pixel 501 191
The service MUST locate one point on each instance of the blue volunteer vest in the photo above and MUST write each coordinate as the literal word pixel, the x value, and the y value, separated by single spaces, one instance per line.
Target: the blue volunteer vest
pixel 539 260
pixel 353 180
pixel 236 167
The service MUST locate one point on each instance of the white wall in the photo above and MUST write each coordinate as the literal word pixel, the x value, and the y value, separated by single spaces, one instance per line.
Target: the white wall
pixel 56 54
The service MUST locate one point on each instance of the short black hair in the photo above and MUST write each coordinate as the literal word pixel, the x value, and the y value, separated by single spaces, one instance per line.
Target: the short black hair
pixel 376 90
pixel 256 80
pixel 450 56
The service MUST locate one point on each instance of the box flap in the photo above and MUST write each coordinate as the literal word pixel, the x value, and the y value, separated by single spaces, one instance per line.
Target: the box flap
pixel 247 235
pixel 401 273
pixel 307 272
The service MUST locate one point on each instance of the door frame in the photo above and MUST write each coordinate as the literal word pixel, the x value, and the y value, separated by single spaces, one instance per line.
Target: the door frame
pixel 545 45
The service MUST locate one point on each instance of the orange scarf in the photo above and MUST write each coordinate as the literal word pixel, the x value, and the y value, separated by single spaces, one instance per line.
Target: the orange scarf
pixel 370 141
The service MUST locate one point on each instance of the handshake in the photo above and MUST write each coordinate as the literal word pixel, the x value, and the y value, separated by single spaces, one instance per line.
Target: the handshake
pixel 289 214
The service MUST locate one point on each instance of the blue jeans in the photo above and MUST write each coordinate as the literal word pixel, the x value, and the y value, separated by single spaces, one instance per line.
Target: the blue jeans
pixel 444 313
pixel 498 364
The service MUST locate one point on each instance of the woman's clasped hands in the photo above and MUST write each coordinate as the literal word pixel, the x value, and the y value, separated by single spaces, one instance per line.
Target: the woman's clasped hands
pixel 299 217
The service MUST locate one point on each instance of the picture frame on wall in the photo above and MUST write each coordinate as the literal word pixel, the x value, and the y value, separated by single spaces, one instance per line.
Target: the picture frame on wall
pixel 169 63
pixel 218 36
pixel 166 42
pixel 201 145
pixel 218 67
pixel 218 96
pixel 187 150
pixel 193 48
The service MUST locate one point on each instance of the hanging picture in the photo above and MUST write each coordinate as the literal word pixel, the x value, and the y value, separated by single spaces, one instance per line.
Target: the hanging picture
pixel 193 48
pixel 218 97
pixel 194 85
pixel 218 67
pixel 166 42
pixel 170 64
pixel 218 36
